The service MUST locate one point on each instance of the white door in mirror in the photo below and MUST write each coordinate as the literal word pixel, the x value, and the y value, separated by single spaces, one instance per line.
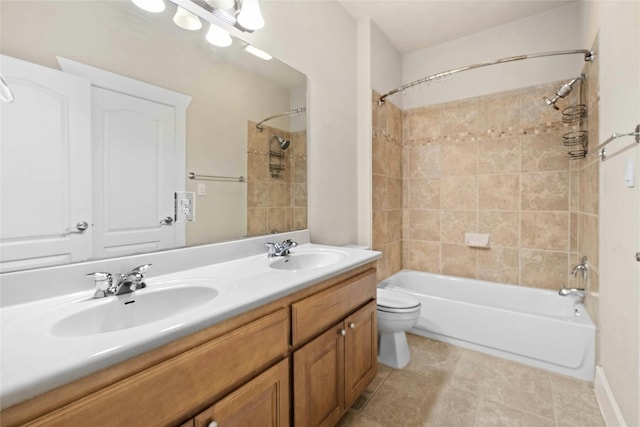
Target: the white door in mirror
pixel 45 170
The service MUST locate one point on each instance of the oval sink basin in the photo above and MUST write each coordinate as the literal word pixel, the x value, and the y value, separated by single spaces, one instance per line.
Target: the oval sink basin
pixel 307 260
pixel 132 310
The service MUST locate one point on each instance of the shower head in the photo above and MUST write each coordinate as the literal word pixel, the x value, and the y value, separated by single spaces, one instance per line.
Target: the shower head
pixel 283 143
pixel 562 92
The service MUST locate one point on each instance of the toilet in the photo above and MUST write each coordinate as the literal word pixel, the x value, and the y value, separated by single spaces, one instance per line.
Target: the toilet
pixel 397 312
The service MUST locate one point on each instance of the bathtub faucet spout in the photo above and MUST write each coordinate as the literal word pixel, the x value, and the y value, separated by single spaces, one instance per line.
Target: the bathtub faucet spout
pixel 579 292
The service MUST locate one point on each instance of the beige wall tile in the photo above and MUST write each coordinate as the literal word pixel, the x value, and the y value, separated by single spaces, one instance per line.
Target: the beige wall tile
pixel 542 152
pixel 423 225
pixel 500 265
pixel 459 158
pixel 423 193
pixel 394 224
pixel 258 167
pixel 503 227
pixel 394 120
pixel 257 221
pixel 379 154
pixel 574 190
pixel 394 193
pixel 458 192
pixel 454 224
pixel 300 195
pixel 501 111
pixel 459 260
pixel 379 193
pixel 382 264
pixel 573 232
pixel 422 123
pixel 424 256
pixel 498 192
pixel 424 161
pixel 547 191
pixel 280 219
pixel 499 156
pixel 394 159
pixel 380 230
pixel 257 195
pixel 299 218
pixel 533 110
pixel 589 177
pixel 545 230
pixel 543 269
pixel 394 259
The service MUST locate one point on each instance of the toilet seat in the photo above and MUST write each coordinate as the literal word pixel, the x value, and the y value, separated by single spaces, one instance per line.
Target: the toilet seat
pixel 396 302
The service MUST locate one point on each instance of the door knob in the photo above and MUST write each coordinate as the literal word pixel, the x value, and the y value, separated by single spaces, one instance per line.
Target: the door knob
pixel 166 221
pixel 80 227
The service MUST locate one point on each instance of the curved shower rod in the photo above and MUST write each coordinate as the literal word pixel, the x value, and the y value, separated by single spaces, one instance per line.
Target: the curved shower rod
pixel 292 112
pixel 588 56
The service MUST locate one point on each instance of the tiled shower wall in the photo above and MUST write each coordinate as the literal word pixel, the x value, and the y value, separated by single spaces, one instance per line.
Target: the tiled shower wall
pixel 276 202
pixel 492 164
pixel 387 187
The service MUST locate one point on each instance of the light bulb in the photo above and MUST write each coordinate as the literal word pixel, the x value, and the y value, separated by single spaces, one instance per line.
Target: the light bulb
pixel 154 6
pixel 221 4
pixel 250 16
pixel 187 20
pixel 218 36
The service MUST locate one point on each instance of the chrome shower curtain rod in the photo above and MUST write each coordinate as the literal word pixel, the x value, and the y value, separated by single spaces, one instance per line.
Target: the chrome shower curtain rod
pixel 588 56
pixel 293 112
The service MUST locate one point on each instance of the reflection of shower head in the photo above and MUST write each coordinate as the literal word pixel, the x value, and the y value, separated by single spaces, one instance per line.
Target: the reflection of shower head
pixel 562 92
pixel 284 143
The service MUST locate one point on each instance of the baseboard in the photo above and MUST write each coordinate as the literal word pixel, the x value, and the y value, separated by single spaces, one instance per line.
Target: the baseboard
pixel 608 405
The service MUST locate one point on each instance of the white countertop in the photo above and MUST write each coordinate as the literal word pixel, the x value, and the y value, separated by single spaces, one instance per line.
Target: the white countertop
pixel 34 360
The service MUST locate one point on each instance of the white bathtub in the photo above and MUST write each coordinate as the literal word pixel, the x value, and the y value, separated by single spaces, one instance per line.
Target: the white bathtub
pixel 533 326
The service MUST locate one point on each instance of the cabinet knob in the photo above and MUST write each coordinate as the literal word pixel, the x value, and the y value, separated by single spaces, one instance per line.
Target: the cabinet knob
pixel 213 424
pixel 352 325
pixel 343 332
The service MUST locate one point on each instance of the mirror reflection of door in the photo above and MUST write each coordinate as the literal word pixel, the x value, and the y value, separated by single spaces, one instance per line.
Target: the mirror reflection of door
pixel 45 167
pixel 133 157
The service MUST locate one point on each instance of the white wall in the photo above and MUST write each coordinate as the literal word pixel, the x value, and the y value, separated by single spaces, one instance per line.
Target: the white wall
pixel 557 29
pixel 318 38
pixel 386 64
pixel 618 25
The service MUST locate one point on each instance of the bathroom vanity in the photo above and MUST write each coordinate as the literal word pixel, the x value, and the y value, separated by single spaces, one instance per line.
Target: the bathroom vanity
pixel 300 357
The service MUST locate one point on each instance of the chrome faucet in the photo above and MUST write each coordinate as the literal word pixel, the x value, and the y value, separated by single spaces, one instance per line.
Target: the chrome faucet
pixel 124 283
pixel 280 249
pixel 583 269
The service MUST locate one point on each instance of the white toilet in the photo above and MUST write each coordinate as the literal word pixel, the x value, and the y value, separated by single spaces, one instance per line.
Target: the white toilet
pixel 397 312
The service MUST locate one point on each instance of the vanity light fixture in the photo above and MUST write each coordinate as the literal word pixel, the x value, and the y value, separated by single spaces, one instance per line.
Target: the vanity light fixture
pixel 187 20
pixel 221 4
pixel 250 16
pixel 218 36
pixel 257 52
pixel 153 6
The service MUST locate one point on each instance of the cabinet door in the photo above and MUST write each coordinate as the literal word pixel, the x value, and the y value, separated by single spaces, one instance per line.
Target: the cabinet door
pixel 318 382
pixel 263 401
pixel 360 352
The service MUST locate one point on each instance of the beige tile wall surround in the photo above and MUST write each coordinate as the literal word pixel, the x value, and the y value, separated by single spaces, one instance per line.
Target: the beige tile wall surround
pixel 493 164
pixel 276 203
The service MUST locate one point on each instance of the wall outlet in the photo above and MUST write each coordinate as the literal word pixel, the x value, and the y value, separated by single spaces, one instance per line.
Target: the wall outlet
pixel 185 206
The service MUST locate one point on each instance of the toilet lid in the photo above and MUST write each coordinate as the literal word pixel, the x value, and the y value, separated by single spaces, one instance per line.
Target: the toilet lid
pixel 389 300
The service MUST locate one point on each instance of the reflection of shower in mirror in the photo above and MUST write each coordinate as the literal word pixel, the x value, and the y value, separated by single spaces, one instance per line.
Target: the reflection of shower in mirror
pixel 292 112
pixel 284 143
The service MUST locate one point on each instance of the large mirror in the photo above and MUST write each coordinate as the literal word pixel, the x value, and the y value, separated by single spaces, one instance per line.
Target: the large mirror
pixel 128 170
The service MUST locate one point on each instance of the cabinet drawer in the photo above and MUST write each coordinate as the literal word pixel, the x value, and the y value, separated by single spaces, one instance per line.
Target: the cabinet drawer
pixel 169 391
pixel 314 314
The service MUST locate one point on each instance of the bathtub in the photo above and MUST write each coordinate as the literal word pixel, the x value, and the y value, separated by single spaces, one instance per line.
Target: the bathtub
pixel 532 326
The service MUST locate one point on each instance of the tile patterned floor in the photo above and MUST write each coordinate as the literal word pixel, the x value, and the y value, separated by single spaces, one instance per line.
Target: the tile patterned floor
pixel 448 386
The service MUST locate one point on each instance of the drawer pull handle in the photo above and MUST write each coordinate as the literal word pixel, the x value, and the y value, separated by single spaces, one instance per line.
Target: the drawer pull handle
pixel 352 325
pixel 343 332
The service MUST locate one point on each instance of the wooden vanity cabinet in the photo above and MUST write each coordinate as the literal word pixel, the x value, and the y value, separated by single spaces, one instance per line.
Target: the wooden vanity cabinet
pixel 334 368
pixel 303 358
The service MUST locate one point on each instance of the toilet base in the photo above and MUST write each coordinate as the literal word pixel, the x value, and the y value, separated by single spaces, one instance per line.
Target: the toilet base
pixel 393 350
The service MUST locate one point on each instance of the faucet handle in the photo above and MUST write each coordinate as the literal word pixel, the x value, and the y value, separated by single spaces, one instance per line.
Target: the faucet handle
pixel 140 269
pixel 290 243
pixel 102 282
